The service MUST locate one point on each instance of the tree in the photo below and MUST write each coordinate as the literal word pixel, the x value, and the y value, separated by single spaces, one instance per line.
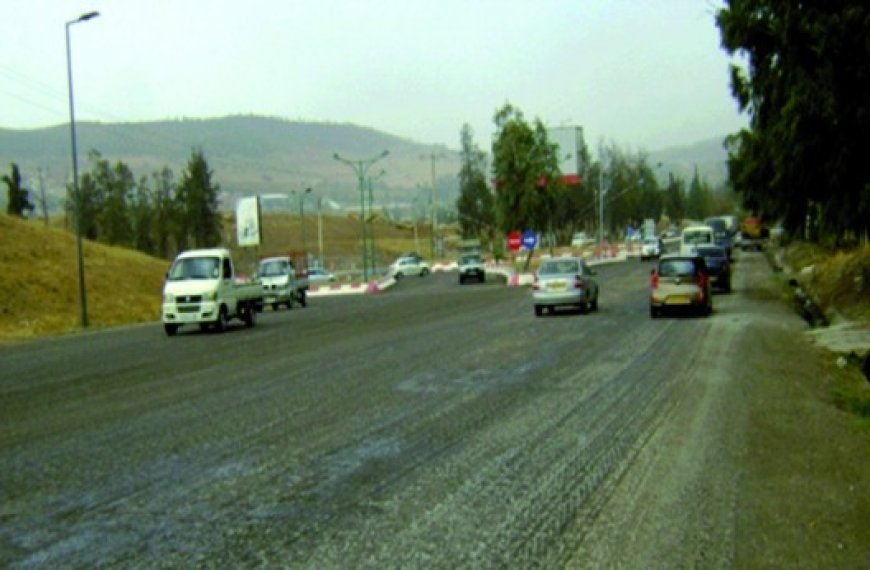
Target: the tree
pixel 88 205
pixel 166 223
pixel 699 202
pixel 475 205
pixel 807 93
pixel 198 203
pixel 142 213
pixel 576 209
pixel 118 187
pixel 675 199
pixel 526 170
pixel 18 197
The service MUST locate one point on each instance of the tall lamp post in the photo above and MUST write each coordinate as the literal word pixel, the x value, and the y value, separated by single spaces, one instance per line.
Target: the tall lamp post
pixel 600 196
pixel 371 219
pixel 433 157
pixel 83 294
pixel 302 218
pixel 361 167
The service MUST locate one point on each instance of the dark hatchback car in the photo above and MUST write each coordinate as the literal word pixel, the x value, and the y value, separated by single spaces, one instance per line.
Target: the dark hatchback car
pixel 716 260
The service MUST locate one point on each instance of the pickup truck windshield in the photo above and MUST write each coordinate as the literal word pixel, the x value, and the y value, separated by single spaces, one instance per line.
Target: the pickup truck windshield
pixel 195 268
pixel 274 268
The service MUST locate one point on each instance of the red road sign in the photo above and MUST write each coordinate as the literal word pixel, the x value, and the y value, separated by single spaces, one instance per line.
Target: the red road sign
pixel 514 240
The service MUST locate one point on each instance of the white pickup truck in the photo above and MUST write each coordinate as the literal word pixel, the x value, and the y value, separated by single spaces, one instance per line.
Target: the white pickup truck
pixel 284 280
pixel 202 288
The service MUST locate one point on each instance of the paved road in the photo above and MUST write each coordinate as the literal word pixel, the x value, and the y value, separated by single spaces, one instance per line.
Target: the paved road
pixel 434 425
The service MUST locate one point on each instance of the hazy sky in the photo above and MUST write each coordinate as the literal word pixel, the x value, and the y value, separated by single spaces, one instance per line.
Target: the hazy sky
pixel 644 74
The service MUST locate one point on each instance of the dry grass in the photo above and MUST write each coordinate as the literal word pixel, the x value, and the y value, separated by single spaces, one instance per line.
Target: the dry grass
pixel 39 282
pixel 839 281
pixel 39 279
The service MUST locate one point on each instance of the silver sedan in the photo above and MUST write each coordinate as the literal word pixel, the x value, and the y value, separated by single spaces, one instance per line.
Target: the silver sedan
pixel 564 281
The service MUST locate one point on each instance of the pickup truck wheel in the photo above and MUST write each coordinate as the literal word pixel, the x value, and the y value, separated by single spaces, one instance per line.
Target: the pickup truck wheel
pixel 424 273
pixel 170 329
pixel 275 306
pixel 220 324
pixel 539 310
pixel 250 317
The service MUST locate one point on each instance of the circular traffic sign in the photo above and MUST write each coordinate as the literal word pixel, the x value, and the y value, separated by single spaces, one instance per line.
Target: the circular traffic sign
pixel 514 240
pixel 530 239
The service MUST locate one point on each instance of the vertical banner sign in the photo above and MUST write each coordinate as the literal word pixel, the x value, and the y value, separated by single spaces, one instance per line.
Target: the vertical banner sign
pixel 248 221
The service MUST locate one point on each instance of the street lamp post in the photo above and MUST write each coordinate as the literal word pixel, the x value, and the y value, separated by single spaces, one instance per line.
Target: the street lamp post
pixel 83 294
pixel 302 218
pixel 600 196
pixel 320 230
pixel 371 220
pixel 361 167
pixel 433 157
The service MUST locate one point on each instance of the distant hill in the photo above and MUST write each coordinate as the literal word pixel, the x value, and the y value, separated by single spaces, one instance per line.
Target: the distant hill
pixel 248 155
pixel 263 155
pixel 709 156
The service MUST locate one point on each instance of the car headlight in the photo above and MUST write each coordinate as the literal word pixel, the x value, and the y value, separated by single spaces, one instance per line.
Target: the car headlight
pixel 168 298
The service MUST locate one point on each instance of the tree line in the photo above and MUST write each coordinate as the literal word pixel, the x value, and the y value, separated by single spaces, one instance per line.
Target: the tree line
pixel 805 85
pixel 154 214
pixel 529 191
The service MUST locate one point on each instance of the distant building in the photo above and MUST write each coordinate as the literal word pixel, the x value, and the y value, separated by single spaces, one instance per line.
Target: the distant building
pixel 570 143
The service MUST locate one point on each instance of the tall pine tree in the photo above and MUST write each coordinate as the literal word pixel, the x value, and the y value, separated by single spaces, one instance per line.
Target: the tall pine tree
pixel 198 203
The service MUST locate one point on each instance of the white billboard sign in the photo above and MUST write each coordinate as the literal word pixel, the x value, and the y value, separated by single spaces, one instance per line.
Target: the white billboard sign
pixel 248 221
pixel 570 142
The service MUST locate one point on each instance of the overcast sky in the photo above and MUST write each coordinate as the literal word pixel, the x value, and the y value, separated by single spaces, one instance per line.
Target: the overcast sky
pixel 643 74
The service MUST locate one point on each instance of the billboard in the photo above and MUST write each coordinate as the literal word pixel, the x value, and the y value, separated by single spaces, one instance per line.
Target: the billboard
pixel 248 221
pixel 570 143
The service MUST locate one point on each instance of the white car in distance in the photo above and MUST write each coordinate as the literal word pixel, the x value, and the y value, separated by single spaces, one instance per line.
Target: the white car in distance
pixel 410 265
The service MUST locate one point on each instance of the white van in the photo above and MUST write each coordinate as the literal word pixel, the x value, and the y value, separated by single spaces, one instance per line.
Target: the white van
pixel 693 236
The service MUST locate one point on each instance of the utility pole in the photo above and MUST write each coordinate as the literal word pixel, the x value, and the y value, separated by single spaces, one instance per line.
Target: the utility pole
pixel 433 157
pixel 600 195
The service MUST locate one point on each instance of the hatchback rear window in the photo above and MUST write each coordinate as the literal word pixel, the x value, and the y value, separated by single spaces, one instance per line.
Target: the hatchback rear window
pixel 675 267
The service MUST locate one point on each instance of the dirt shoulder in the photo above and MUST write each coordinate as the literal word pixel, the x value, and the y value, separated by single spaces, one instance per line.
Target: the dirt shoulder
pixel 807 465
pixel 755 466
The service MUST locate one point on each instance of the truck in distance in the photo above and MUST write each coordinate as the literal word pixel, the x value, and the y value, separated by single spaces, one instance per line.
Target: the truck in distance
pixel 284 279
pixel 202 288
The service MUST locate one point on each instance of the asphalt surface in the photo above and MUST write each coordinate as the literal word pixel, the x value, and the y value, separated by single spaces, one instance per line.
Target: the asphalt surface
pixel 432 425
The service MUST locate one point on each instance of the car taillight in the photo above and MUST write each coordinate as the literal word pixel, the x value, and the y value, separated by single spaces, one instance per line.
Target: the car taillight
pixel 654 280
pixel 702 283
pixel 578 282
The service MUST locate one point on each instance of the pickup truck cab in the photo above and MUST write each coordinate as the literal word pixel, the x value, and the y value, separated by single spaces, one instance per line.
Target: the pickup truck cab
pixel 283 282
pixel 202 288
